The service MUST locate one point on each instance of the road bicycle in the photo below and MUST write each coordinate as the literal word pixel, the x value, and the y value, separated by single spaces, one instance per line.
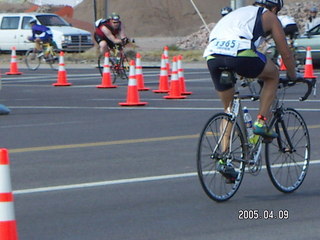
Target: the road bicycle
pixel 49 55
pixel 299 54
pixel 224 146
pixel 119 63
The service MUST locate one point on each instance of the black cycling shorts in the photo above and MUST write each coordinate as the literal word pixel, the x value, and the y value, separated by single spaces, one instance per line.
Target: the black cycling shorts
pixel 98 39
pixel 247 63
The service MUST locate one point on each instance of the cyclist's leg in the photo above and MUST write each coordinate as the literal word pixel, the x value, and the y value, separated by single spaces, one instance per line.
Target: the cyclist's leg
pixel 103 47
pixel 270 78
pixel 265 70
pixel 102 42
pixel 225 91
pixel 38 43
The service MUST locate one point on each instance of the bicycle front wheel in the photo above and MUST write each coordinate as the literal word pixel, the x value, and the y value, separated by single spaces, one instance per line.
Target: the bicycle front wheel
pixel 273 54
pixel 124 67
pixel 100 64
pixel 32 60
pixel 300 56
pixel 220 141
pixel 288 156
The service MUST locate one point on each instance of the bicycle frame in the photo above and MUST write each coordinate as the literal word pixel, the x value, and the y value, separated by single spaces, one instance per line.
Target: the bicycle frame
pixel 47 48
pixel 237 117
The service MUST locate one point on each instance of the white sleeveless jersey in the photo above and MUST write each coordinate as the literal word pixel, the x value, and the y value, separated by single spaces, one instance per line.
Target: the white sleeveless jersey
pixel 238 30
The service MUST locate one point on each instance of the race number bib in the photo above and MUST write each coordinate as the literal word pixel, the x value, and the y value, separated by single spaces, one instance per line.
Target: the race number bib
pixel 225 47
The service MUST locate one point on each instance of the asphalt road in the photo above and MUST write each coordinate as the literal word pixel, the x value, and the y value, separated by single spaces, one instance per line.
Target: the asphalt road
pixel 83 167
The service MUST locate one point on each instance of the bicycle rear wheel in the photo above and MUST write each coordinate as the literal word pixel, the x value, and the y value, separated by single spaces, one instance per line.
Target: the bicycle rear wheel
pixel 32 60
pixel 53 59
pixel 211 152
pixel 287 167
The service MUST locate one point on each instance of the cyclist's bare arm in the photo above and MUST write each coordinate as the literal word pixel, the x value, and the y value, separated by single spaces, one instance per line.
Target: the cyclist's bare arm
pixel 110 36
pixel 272 24
pixel 122 33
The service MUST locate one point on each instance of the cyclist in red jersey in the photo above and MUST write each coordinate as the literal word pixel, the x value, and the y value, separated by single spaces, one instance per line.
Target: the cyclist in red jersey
pixel 110 32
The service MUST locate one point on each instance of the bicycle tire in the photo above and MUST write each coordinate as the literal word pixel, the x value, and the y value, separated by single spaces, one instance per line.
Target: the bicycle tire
pixel 300 56
pixel 124 69
pixel 212 181
pixel 287 169
pixel 100 64
pixel 113 67
pixel 32 60
pixel 53 59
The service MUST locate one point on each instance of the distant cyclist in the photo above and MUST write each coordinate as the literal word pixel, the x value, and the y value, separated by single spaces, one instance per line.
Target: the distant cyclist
pixel 226 10
pixel 40 34
pixel 110 32
pixel 290 27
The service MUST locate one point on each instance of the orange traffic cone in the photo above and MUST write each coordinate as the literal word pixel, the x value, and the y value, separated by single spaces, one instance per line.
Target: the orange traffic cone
pixel 139 74
pixel 132 93
pixel 13 65
pixel 181 77
pixel 308 67
pixel 62 73
pixel 166 54
pixel 164 78
pixel 175 88
pixel 106 75
pixel 8 225
pixel 282 66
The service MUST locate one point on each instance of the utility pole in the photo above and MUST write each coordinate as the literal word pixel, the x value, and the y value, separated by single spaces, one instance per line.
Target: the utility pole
pixel 100 9
pixel 237 3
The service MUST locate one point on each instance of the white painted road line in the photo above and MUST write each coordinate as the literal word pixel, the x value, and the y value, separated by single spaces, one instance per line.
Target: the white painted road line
pixel 114 182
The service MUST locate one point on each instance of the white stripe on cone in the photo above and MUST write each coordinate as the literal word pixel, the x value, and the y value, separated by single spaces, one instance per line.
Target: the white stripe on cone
pixel 7 211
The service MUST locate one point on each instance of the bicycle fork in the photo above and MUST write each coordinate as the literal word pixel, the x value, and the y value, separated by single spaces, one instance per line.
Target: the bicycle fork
pixel 278 116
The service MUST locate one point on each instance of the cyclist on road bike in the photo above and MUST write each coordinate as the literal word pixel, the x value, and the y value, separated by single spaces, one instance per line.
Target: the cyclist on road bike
pixel 290 27
pixel 224 11
pixel 233 45
pixel 40 34
pixel 110 32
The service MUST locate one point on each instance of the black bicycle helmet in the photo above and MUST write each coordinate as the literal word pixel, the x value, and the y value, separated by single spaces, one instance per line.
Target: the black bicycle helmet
pixel 224 11
pixel 271 3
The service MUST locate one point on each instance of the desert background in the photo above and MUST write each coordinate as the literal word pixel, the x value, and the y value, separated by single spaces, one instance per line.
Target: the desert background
pixel 156 23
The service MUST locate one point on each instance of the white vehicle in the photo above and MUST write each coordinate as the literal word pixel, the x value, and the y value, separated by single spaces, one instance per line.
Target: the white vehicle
pixel 15 30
